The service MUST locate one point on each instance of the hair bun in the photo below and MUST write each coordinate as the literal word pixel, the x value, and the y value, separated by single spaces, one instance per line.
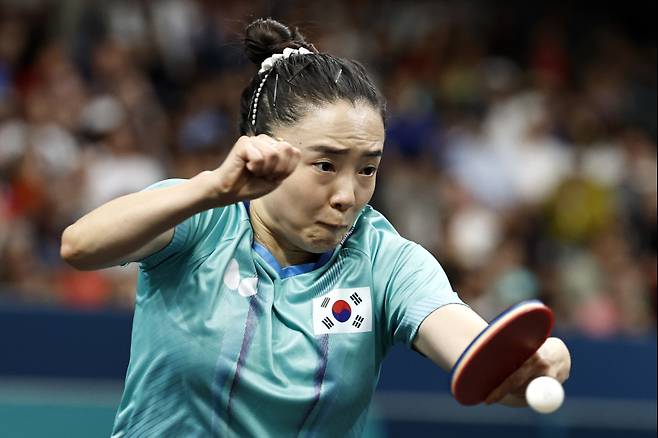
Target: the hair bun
pixel 265 36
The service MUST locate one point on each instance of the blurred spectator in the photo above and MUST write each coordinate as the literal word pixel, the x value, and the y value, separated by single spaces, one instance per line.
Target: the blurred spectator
pixel 521 143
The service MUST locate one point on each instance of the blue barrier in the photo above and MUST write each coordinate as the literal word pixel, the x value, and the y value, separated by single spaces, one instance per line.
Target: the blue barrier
pixel 616 367
pixel 49 342
pixel 611 392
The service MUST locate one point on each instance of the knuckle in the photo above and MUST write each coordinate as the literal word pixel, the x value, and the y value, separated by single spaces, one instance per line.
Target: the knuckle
pixel 270 156
pixel 243 140
pixel 543 362
pixel 292 153
pixel 257 159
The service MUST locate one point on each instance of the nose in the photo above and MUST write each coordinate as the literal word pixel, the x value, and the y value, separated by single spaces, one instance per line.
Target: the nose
pixel 343 197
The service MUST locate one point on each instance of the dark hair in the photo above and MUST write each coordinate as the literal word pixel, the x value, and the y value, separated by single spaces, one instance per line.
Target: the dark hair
pixel 298 82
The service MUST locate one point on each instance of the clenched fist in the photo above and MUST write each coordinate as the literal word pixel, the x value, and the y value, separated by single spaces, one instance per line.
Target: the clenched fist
pixel 254 167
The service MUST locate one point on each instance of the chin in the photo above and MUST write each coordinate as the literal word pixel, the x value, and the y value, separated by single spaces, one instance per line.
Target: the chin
pixel 319 245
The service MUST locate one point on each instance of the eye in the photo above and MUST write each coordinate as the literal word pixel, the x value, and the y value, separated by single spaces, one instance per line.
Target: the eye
pixel 369 171
pixel 324 166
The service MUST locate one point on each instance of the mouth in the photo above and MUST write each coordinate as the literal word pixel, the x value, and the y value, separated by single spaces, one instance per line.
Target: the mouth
pixel 334 227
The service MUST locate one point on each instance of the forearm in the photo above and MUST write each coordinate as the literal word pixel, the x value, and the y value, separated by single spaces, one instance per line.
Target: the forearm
pixel 136 225
pixel 446 332
pixel 119 228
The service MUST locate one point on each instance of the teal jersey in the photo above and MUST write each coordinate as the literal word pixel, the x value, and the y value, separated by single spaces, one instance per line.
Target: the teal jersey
pixel 225 342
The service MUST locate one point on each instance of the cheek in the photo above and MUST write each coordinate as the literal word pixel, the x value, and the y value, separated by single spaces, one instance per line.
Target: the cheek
pixel 298 185
pixel 364 192
pixel 298 196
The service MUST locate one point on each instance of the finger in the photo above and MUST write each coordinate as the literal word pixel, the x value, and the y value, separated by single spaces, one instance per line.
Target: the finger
pixel 289 157
pixel 531 368
pixel 265 137
pixel 508 385
pixel 282 165
pixel 253 157
pixel 293 156
pixel 270 152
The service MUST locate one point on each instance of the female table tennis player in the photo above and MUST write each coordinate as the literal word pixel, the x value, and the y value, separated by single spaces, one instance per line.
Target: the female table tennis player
pixel 269 292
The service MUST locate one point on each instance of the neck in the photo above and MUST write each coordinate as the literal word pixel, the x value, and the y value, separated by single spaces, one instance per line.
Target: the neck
pixel 285 253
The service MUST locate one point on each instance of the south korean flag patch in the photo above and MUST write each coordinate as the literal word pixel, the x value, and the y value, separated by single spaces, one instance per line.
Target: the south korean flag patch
pixel 343 311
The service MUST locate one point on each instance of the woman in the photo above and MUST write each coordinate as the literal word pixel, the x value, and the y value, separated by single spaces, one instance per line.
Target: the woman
pixel 269 291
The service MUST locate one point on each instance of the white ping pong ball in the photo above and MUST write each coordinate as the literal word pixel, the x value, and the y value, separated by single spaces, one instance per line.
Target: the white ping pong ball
pixel 544 394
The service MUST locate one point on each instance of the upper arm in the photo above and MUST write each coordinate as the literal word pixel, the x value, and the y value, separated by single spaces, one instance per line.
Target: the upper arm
pixel 164 244
pixel 192 236
pixel 446 333
pixel 150 248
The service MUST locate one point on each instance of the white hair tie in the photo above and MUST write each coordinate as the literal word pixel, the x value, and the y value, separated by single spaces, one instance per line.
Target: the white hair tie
pixel 269 62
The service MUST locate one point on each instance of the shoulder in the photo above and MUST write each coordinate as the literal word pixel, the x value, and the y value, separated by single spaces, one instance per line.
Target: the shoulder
pixel 375 236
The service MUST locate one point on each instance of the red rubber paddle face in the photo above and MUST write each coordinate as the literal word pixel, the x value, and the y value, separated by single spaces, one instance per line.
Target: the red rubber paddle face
pixel 499 350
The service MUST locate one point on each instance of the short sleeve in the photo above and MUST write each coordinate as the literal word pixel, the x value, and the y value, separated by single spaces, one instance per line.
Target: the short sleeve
pixel 416 287
pixel 187 234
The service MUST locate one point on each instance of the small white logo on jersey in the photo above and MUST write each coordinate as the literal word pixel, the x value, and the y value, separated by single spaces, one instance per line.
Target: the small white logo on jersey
pixel 246 286
pixel 343 311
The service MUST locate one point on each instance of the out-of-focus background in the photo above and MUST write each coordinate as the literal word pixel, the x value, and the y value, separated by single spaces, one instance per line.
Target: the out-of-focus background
pixel 521 151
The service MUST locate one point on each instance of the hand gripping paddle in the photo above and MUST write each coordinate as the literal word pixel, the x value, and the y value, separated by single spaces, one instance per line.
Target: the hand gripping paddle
pixel 499 350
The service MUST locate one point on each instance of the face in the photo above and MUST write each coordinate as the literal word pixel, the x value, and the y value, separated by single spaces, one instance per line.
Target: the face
pixel 341 145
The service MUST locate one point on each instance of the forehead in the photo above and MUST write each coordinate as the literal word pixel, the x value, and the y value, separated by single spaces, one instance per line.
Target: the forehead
pixel 345 123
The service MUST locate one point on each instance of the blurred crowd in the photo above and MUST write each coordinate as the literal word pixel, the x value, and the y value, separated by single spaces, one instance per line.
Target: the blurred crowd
pixel 521 140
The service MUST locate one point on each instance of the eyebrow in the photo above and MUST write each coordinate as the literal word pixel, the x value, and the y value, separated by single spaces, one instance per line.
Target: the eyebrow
pixel 332 150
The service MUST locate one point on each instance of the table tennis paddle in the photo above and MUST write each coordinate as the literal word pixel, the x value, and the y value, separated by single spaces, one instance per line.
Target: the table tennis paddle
pixel 499 350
